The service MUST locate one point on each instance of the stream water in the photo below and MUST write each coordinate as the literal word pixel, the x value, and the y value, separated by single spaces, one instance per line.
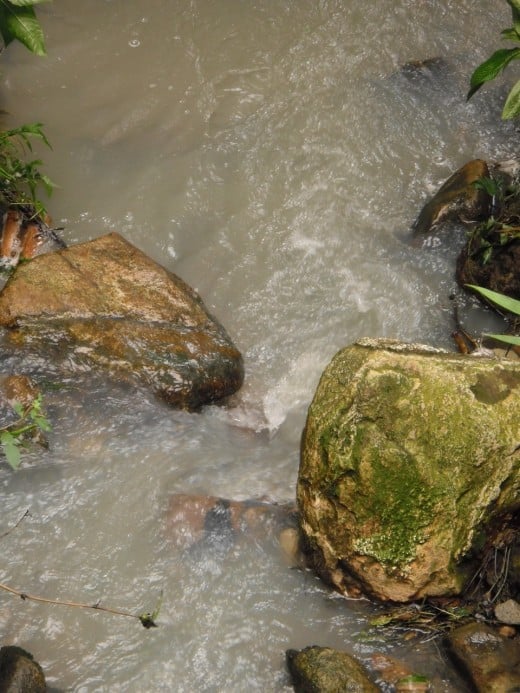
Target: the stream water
pixel 273 154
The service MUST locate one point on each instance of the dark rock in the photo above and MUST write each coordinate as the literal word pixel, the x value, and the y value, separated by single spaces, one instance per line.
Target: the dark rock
pixel 491 661
pixel 405 450
pixel 456 198
pixel 106 305
pixel 429 68
pixel 324 670
pixel 19 673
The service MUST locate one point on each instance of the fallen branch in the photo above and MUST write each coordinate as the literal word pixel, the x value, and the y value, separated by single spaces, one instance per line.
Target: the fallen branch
pixel 147 619
pixel 26 513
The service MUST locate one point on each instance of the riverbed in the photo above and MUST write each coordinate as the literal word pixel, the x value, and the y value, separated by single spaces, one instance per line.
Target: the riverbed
pixel 274 155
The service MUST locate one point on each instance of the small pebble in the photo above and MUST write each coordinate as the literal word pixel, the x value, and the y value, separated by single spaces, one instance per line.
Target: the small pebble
pixel 508 612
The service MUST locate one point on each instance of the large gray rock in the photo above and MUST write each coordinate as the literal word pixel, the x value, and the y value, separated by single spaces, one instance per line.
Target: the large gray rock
pixel 408 453
pixel 105 304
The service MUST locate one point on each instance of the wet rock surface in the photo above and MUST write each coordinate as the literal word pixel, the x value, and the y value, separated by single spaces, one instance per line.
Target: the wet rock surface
pixel 19 673
pixel 105 305
pixel 324 670
pixel 491 661
pixel 457 197
pixel 405 450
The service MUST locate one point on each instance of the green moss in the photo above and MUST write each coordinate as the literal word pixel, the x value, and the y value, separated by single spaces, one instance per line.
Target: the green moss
pixel 397 507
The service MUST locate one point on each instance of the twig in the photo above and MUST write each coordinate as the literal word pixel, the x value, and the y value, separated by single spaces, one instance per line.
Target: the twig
pixel 26 513
pixel 146 619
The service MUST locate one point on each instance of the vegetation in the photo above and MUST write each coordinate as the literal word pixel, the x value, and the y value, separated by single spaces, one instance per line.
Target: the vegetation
pixel 31 423
pixel 494 65
pixel 18 22
pixel 20 179
pixel 510 305
pixel 503 225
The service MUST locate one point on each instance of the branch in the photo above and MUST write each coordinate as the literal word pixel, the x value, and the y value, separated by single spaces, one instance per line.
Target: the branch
pixel 146 619
pixel 26 513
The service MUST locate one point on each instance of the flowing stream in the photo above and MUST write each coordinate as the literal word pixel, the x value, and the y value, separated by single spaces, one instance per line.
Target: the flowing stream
pixel 272 154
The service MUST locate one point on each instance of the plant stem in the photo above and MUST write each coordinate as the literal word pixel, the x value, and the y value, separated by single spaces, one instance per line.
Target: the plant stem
pixel 15 525
pixel 60 602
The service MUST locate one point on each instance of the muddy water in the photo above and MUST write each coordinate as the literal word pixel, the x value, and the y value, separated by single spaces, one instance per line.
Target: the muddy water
pixel 273 155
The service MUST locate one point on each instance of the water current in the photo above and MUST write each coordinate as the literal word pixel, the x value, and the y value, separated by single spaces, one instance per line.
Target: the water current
pixel 273 154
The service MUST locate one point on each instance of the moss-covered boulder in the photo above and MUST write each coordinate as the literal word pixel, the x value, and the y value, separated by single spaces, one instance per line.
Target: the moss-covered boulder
pixel 324 670
pixel 408 455
pixel 105 305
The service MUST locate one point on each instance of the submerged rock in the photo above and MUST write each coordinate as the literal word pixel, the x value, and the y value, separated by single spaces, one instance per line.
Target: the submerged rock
pixel 15 389
pixel 19 673
pixel 407 454
pixel 106 305
pixel 491 661
pixel 209 522
pixel 324 670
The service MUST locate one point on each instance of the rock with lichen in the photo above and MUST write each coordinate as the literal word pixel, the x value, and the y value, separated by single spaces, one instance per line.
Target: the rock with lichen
pixel 409 454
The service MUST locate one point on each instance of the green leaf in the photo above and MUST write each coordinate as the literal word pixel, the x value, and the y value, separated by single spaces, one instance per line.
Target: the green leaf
pixel 510 34
pixel 148 620
pixel 505 302
pixel 42 423
pixel 515 9
pixel 11 450
pixel 491 67
pixel 23 3
pixel 488 185
pixel 507 339
pixel 18 407
pixel 486 255
pixel 34 129
pixel 20 23
pixel 512 104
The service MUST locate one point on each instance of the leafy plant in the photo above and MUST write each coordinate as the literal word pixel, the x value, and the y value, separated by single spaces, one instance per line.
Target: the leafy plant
pixel 32 421
pixel 511 305
pixel 503 224
pixel 20 180
pixel 18 22
pixel 500 59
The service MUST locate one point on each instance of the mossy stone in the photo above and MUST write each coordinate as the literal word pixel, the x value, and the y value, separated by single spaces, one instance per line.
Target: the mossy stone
pixel 408 452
